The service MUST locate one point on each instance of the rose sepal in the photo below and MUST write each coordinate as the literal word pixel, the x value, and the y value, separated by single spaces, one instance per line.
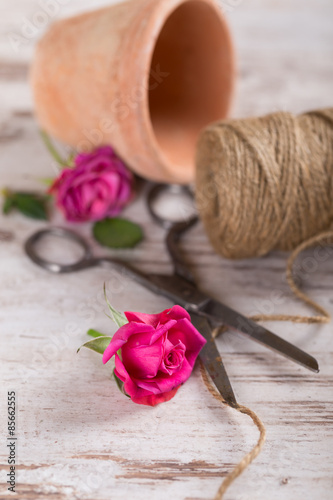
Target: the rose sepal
pixel 116 316
pixel 120 385
pixel 98 344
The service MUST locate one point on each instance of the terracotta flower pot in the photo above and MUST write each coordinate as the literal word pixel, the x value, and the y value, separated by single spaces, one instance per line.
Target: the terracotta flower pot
pixel 144 76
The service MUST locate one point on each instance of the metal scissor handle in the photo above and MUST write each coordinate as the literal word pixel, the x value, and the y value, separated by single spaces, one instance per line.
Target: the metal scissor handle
pixel 175 228
pixel 81 263
pixel 156 191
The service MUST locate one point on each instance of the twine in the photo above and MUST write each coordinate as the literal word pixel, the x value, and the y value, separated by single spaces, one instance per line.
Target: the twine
pixel 323 317
pixel 249 457
pixel 266 183
pixel 252 200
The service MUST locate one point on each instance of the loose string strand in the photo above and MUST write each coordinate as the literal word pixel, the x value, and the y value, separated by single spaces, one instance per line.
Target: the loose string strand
pixel 249 457
pixel 323 317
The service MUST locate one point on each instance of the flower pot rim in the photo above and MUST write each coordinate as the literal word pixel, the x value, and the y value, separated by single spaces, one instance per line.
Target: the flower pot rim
pixel 157 18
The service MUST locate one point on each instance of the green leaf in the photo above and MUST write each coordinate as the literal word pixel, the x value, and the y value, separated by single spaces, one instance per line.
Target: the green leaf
pixel 116 316
pixel 95 333
pixel 31 205
pixel 120 384
pixel 8 205
pixel 98 345
pixel 117 233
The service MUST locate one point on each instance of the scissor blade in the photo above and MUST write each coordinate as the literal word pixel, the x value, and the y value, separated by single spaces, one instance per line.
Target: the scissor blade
pixel 212 360
pixel 220 314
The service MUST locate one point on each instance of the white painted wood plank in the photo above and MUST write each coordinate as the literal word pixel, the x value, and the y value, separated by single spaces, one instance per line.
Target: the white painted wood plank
pixel 78 437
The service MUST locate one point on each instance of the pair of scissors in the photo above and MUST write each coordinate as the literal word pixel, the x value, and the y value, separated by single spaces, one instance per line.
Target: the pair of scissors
pixel 180 288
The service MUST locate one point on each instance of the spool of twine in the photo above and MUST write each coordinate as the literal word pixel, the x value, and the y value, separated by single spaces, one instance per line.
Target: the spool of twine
pixel 265 183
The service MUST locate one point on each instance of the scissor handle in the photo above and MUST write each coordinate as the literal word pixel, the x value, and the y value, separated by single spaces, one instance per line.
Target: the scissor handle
pixel 176 229
pixel 156 191
pixel 172 239
pixel 54 267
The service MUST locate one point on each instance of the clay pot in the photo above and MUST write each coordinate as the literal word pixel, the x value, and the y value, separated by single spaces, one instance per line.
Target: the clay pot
pixel 144 76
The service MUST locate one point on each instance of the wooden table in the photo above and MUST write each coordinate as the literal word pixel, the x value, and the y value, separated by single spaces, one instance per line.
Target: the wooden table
pixel 78 437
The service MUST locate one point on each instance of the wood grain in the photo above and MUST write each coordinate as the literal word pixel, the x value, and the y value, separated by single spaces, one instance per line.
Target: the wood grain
pixel 78 438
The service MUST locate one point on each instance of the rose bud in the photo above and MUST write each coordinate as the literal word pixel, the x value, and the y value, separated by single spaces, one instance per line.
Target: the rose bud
pixel 155 354
pixel 98 186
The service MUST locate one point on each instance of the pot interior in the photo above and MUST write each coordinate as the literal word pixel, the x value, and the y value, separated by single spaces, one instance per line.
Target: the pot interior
pixel 190 81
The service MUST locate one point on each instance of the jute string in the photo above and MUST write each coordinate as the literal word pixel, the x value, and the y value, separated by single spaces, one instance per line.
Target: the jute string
pixel 322 317
pixel 249 457
pixel 263 184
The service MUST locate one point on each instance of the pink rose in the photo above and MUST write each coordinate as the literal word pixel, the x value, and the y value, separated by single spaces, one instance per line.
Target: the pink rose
pixel 157 354
pixel 98 186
